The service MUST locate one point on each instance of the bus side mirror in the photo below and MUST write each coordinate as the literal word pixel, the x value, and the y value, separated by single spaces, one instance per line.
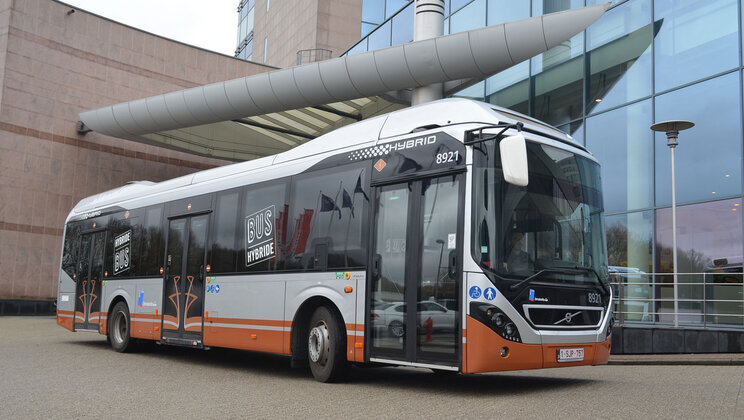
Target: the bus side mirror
pixel 513 151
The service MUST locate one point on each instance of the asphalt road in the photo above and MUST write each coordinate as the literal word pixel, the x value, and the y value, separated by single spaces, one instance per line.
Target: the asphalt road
pixel 49 372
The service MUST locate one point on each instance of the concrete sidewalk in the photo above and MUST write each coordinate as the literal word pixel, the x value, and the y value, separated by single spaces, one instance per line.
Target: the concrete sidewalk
pixel 713 359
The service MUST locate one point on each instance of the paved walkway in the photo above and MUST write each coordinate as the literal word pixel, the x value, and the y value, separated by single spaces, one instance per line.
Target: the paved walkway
pixel 49 372
pixel 714 359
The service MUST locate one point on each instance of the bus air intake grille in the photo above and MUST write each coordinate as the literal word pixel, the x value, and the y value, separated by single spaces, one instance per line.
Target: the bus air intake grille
pixel 564 317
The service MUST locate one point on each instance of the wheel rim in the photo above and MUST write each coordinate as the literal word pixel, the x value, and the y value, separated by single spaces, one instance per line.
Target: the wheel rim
pixel 119 327
pixel 397 329
pixel 319 344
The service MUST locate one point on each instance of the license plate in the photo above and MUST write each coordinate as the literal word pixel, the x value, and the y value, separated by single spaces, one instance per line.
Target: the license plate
pixel 570 355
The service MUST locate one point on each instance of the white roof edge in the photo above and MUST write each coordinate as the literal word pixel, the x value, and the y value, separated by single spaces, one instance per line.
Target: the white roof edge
pixel 478 53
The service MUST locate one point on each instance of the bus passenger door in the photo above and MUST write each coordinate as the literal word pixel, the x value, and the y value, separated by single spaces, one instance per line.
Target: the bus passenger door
pixel 88 273
pixel 183 297
pixel 414 302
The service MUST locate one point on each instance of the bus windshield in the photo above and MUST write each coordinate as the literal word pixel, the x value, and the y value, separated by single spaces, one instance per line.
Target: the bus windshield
pixel 554 225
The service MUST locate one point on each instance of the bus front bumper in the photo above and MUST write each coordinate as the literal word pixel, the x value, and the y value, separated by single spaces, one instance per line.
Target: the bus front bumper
pixel 486 351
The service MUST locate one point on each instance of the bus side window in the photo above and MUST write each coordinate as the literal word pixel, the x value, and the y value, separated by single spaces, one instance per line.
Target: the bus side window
pixel 70 248
pixel 153 242
pixel 262 227
pixel 224 254
pixel 125 236
pixel 325 219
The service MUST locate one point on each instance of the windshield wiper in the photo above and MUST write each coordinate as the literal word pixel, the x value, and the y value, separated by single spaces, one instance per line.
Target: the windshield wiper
pixel 560 270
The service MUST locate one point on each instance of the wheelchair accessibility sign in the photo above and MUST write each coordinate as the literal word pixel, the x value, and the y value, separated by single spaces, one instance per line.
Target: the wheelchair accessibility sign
pixel 475 292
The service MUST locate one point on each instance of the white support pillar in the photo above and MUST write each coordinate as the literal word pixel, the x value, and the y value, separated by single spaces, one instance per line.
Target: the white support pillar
pixel 428 22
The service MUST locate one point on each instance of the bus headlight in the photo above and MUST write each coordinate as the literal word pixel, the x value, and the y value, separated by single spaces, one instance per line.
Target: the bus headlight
pixel 510 329
pixel 498 319
pixel 493 318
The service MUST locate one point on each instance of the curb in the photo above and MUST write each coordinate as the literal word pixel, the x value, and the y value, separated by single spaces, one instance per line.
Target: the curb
pixel 675 360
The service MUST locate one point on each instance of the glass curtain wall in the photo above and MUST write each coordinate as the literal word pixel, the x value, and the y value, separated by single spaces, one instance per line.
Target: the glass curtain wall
pixel 244 49
pixel 643 62
pixel 376 12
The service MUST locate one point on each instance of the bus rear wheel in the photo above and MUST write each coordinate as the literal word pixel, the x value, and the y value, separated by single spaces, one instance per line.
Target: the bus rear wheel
pixel 326 346
pixel 119 328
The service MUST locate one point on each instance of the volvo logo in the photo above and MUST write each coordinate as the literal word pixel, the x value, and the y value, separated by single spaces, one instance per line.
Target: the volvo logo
pixel 567 318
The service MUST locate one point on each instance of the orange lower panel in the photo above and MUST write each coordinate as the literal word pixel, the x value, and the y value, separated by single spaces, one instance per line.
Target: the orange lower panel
pixel 65 319
pixel 354 348
pixel 355 343
pixel 103 323
pixel 194 324
pixel 246 339
pixel 170 322
pixel 287 345
pixel 359 350
pixel 602 352
pixel 144 327
pixel 594 354
pixel 484 345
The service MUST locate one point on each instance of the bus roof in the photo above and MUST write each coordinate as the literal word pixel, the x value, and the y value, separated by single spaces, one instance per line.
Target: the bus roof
pixel 441 113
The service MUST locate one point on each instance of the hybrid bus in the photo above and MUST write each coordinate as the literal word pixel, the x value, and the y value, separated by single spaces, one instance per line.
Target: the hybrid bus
pixel 453 235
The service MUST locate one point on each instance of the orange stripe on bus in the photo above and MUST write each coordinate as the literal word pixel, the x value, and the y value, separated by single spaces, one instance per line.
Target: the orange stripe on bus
pixel 190 321
pixel 145 316
pixel 354 327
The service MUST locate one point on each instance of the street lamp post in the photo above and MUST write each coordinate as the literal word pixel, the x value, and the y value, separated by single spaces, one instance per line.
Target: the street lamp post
pixel 672 129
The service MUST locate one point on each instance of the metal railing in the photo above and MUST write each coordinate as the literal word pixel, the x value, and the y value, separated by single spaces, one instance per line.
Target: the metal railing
pixel 315 54
pixel 705 300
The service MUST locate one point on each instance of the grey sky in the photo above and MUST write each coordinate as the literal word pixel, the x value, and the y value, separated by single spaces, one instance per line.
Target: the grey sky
pixel 207 24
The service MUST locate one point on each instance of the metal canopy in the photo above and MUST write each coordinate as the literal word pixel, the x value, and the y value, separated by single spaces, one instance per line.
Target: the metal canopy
pixel 268 134
pixel 271 112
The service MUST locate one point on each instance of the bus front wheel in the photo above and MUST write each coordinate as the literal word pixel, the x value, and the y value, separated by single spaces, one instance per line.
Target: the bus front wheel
pixel 119 328
pixel 326 346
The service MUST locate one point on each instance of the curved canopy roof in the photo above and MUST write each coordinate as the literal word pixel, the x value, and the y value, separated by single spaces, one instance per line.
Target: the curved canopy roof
pixel 264 114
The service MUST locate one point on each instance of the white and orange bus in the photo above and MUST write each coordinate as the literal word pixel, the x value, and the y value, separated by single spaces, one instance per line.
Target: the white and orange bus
pixel 453 235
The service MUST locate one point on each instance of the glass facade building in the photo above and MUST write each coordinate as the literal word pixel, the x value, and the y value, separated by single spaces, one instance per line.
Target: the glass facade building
pixel 644 61
pixel 246 13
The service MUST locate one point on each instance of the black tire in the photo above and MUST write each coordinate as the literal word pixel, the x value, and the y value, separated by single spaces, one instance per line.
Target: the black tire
pixel 326 343
pixel 397 329
pixel 119 328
